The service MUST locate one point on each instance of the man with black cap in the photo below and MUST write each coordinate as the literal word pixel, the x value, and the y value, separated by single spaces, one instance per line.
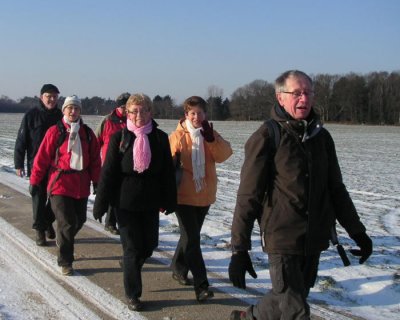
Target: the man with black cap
pixel 112 123
pixel 33 127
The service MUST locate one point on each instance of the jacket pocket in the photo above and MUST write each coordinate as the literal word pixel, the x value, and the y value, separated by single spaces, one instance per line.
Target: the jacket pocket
pixel 276 272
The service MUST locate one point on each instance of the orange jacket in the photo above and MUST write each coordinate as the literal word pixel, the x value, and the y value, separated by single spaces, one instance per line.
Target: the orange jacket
pixel 217 151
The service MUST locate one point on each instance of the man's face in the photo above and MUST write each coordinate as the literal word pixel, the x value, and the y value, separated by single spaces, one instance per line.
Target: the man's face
pixel 49 100
pixel 121 109
pixel 297 97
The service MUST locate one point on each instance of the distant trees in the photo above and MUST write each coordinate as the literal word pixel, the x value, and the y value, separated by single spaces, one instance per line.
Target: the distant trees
pixel 164 108
pixel 218 108
pixel 373 98
pixel 252 101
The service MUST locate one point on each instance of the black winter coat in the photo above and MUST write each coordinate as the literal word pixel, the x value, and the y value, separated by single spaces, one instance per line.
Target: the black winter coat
pixel 307 193
pixel 124 188
pixel 33 127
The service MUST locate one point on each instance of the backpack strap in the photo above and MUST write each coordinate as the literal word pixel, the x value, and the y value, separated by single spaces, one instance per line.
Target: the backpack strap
pixel 63 133
pixel 61 138
pixel 125 140
pixel 87 130
pixel 274 140
pixel 274 133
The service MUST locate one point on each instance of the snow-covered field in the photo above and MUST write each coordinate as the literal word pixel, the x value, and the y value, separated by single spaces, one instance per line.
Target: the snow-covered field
pixel 369 157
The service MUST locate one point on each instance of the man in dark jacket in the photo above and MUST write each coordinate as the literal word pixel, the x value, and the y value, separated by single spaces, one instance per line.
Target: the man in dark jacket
pixel 297 198
pixel 34 125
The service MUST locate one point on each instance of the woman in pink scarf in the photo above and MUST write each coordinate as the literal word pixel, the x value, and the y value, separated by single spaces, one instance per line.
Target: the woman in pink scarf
pixel 138 179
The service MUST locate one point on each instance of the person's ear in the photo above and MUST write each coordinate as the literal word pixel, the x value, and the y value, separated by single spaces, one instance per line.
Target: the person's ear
pixel 279 97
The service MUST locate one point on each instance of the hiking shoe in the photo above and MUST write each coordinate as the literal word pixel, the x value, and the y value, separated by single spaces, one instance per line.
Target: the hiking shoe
pixel 238 315
pixel 67 270
pixel 112 230
pixel 50 232
pixel 135 304
pixel 204 294
pixel 40 238
pixel 183 280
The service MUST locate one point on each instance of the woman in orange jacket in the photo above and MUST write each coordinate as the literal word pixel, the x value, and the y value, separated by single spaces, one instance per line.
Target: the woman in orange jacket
pixel 198 147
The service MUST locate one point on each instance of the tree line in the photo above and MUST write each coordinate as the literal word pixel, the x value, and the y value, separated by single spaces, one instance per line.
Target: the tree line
pixel 373 98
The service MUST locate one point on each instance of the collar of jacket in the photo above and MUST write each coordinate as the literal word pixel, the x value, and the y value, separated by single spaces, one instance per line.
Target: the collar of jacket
pixel 116 118
pixel 312 125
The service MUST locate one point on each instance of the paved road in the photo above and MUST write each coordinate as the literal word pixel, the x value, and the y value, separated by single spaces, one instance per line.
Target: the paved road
pixel 97 261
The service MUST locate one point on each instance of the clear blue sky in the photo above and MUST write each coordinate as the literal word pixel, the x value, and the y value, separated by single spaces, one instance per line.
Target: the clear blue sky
pixel 102 48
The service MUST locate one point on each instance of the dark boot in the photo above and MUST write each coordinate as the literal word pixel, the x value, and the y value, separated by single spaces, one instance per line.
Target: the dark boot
pixel 135 304
pixel 183 280
pixel 112 229
pixel 50 232
pixel 40 238
pixel 203 293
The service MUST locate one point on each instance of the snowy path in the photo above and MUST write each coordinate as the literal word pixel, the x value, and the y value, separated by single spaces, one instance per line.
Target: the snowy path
pixel 37 288
pixel 368 156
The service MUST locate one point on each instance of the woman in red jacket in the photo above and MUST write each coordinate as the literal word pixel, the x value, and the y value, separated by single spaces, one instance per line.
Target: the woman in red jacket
pixel 72 164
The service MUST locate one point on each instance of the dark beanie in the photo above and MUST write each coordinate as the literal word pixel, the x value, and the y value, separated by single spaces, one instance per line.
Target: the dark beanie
pixel 122 99
pixel 49 88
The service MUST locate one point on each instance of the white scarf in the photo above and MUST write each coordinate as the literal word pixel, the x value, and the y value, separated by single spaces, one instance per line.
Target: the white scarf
pixel 198 157
pixel 74 145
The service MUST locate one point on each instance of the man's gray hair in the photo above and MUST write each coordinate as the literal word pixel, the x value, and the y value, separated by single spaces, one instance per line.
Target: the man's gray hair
pixel 280 82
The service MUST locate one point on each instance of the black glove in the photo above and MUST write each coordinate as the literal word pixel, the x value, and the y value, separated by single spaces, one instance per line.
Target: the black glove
pixel 165 211
pixel 94 188
pixel 34 189
pixel 99 209
pixel 240 263
pixel 365 244
pixel 207 132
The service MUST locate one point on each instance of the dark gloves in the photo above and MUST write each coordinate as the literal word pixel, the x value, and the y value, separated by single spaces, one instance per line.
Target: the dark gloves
pixel 94 188
pixel 99 209
pixel 207 131
pixel 34 189
pixel 240 263
pixel 365 244
pixel 165 211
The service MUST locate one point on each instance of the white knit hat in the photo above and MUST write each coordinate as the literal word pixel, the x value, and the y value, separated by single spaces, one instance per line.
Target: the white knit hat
pixel 74 100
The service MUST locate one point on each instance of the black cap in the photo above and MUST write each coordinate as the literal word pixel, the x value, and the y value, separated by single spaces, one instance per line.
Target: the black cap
pixel 122 99
pixel 49 88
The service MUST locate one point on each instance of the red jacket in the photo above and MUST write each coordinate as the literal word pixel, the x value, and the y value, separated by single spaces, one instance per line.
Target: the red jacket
pixel 74 184
pixel 111 123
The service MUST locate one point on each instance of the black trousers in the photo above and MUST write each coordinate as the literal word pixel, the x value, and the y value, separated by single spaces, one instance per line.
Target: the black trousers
pixel 188 255
pixel 139 238
pixel 70 216
pixel 43 215
pixel 292 276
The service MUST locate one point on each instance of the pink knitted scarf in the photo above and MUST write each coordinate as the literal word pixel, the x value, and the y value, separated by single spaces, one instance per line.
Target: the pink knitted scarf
pixel 141 146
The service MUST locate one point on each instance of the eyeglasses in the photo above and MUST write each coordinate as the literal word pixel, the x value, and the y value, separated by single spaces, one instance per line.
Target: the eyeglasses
pixel 298 94
pixel 136 112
